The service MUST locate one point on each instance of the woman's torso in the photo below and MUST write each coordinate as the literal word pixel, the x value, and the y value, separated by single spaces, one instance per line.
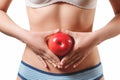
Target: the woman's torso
pixel 63 16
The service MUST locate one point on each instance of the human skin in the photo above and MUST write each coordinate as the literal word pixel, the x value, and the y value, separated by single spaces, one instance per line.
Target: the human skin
pixel 46 20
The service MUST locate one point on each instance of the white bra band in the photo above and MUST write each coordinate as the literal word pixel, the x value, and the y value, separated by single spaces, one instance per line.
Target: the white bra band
pixel 87 4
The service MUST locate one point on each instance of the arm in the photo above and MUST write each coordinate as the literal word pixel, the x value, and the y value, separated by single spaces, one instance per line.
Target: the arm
pixel 86 41
pixel 33 39
pixel 113 27
pixel 7 26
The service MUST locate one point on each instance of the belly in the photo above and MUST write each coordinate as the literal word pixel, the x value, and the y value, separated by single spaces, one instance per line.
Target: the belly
pixel 31 58
pixel 60 16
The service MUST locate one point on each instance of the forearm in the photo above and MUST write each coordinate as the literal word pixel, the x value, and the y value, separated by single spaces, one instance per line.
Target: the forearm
pixel 7 26
pixel 110 30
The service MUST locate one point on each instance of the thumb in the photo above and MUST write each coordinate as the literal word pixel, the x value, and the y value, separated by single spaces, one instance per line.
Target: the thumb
pixel 54 58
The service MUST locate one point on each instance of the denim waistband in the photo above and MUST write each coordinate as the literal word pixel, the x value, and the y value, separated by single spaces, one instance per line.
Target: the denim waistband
pixel 28 72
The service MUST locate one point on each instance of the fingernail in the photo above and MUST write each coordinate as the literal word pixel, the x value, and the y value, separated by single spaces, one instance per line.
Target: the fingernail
pixel 54 65
pixel 59 66
pixel 45 66
pixel 66 67
pixel 61 63
pixel 74 66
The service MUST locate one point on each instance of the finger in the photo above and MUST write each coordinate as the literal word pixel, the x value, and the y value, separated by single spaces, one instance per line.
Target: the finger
pixel 79 62
pixel 53 56
pixel 46 56
pixel 43 61
pixel 49 60
pixel 76 61
pixel 66 59
pixel 49 55
pixel 72 62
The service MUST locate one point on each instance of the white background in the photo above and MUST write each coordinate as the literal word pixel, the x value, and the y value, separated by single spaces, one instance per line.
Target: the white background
pixel 11 50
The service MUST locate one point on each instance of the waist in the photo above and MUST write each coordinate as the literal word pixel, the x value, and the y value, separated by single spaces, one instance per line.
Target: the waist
pixel 74 27
pixel 28 72
pixel 31 58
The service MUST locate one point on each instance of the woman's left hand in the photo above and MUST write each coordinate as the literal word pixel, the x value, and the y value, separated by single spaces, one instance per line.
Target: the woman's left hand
pixel 84 42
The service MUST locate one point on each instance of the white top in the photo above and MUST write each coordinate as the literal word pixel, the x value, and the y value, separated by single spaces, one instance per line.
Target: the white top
pixel 87 4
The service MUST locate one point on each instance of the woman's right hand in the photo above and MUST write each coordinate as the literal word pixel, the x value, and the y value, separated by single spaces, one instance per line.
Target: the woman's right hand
pixel 37 41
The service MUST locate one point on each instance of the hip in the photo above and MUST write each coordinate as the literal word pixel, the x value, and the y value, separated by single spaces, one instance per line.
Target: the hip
pixel 28 72
pixel 32 59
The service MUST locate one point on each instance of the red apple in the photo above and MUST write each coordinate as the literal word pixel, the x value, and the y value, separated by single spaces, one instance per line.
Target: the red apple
pixel 60 44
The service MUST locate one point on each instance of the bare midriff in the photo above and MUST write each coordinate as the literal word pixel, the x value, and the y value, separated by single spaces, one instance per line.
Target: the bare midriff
pixel 60 16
